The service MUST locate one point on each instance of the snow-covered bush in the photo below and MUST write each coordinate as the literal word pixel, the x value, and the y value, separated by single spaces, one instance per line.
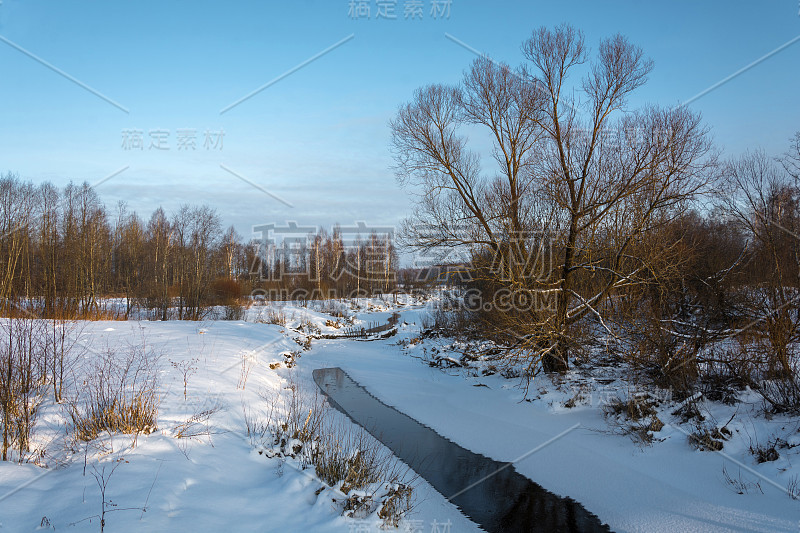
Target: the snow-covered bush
pixel 118 394
pixel 345 457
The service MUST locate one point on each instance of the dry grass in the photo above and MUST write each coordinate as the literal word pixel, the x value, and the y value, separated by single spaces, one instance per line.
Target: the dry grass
pixel 335 309
pixel 197 425
pixel 352 457
pixel 635 416
pixel 343 455
pixel 274 316
pixel 118 395
pixel 739 485
pixel 248 360
pixel 398 501
pixel 793 488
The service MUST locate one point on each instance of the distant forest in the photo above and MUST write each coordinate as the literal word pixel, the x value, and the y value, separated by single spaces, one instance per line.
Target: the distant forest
pixel 64 253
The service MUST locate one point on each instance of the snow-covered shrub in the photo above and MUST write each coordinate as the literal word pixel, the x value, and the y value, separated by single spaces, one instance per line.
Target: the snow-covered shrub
pixel 309 328
pixel 397 502
pixel 635 416
pixel 275 316
pixel 119 394
pixel 348 456
pixel 782 395
pixel 711 440
pixel 335 309
pixel 767 452
pixel 345 457
pixel 234 311
pixel 291 427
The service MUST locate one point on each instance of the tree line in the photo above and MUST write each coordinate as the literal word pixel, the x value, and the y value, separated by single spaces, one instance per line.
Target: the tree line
pixel 326 265
pixel 65 254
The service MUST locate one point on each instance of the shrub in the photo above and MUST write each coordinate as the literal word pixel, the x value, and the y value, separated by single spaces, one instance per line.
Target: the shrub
pixel 119 395
pixel 781 395
pixel 396 504
pixel 276 316
pixel 225 291
pixel 309 328
pixel 344 456
pixel 635 417
pixel 234 311
pixel 765 453
pixel 348 456
pixel 709 439
pixel 23 365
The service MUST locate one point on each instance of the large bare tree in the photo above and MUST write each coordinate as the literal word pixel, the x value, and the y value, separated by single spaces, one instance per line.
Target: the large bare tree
pixel 577 174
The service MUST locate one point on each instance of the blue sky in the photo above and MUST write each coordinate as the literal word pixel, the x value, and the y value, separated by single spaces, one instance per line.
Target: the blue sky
pixel 318 138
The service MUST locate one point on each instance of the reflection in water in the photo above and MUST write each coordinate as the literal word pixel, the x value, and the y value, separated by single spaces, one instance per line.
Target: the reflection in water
pixel 504 501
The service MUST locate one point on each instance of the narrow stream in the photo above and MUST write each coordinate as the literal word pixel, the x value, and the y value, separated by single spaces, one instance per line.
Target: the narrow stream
pixel 492 494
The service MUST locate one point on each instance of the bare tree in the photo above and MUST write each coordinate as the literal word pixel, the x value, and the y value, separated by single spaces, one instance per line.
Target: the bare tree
pixel 160 241
pixel 60 339
pixel 48 249
pixel 204 234
pixel 16 212
pixel 766 202
pixel 21 383
pixel 584 178
pixel 791 159
pixel 232 250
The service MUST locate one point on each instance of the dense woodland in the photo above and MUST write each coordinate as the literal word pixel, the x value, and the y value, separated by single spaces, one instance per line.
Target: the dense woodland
pixel 64 254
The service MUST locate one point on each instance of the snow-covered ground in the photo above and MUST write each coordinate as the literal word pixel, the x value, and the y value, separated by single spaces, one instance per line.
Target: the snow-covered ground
pixel 219 481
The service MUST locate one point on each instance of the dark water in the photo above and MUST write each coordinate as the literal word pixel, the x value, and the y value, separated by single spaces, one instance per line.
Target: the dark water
pixel 497 497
